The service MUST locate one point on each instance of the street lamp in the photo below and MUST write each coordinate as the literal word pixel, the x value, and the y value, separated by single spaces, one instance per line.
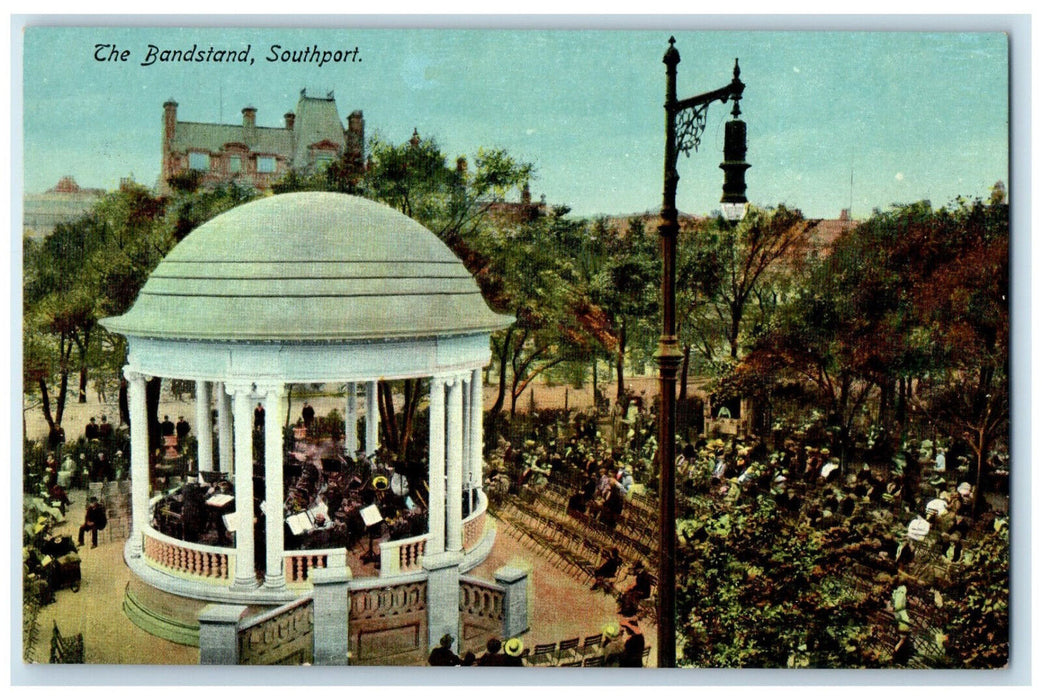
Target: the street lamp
pixel 685 122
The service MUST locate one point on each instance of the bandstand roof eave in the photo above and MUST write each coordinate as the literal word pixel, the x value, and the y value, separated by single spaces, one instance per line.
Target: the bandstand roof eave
pixel 118 324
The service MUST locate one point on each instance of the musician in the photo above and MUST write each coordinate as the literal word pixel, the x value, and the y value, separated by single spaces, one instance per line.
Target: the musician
pixel 182 429
pixel 167 427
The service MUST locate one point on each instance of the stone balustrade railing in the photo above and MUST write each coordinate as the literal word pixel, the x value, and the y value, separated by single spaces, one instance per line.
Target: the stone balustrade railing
pixel 298 564
pixel 385 601
pixel 280 636
pixel 188 558
pixel 481 599
pixel 402 556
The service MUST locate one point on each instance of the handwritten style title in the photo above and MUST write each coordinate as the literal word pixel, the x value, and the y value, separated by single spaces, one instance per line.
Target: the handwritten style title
pixel 153 55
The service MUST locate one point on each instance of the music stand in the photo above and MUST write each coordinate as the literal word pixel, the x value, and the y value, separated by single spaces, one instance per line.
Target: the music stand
pixel 372 518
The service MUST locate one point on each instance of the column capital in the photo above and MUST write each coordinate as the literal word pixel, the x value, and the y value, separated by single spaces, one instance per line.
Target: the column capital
pixel 271 390
pixel 132 375
pixel 238 386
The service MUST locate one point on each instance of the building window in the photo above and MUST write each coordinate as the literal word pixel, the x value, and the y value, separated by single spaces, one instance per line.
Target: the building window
pixel 323 159
pixel 265 164
pixel 235 164
pixel 198 161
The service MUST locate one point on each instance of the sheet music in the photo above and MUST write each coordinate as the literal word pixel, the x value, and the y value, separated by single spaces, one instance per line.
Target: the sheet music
pixel 219 500
pixel 371 515
pixel 300 522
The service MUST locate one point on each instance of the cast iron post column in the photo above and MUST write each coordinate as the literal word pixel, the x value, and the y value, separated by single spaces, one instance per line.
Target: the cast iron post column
pixel 689 115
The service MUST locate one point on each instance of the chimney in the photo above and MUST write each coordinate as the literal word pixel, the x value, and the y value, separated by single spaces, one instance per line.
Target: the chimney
pixel 844 215
pixel 290 119
pixel 356 137
pixel 169 119
pixel 415 140
pixel 249 117
pixel 526 195
pixel 461 166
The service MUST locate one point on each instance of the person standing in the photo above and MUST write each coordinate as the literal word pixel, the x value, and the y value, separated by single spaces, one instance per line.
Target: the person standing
pixel 308 414
pixel 182 429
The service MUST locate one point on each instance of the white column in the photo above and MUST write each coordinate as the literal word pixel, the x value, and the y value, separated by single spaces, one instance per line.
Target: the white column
pixel 351 421
pixel 224 429
pixel 477 477
pixel 436 469
pixel 372 418
pixel 245 573
pixel 466 433
pixel 203 426
pixel 274 576
pixel 454 466
pixel 139 472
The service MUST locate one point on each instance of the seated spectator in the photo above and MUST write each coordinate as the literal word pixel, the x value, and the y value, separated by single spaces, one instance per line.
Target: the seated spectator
pixel 633 649
pixel 493 655
pixel 612 644
pixel 606 571
pixel 513 649
pixel 443 655
pixel 94 520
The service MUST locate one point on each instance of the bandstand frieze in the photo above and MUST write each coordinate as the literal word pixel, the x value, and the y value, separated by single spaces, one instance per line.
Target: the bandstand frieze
pixel 272 362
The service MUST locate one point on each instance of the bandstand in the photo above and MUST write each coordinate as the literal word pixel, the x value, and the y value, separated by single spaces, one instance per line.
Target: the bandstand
pixel 310 288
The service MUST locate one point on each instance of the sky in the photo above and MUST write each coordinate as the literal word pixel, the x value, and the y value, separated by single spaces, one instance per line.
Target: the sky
pixel 836 120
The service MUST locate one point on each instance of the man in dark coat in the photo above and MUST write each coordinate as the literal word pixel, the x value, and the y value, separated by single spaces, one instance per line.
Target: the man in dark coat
pixel 182 429
pixel 258 418
pixel 442 655
pixel 493 655
pixel 94 520
pixel 308 414
pixel 167 428
pixel 91 431
pixel 105 429
pixel 633 650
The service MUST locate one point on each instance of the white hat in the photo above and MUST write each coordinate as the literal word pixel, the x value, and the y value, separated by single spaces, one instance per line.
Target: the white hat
pixel 918 529
pixel 937 506
pixel 964 489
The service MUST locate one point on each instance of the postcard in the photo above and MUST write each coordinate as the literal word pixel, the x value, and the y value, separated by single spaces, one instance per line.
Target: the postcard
pixel 559 347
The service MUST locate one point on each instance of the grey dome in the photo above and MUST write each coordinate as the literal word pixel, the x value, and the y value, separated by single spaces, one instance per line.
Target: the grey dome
pixel 309 266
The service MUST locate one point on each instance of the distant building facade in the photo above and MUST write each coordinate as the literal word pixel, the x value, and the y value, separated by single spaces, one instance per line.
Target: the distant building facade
pixel 309 138
pixel 64 202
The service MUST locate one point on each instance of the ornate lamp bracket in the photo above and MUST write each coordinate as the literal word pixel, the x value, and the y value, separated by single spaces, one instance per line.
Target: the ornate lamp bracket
pixel 690 123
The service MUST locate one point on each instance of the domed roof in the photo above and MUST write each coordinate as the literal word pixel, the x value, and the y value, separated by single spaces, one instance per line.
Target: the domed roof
pixel 309 266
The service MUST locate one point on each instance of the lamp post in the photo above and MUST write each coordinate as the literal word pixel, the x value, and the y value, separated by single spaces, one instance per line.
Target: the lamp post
pixel 685 122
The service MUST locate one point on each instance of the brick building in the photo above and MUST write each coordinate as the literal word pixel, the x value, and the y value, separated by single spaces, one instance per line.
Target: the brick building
pixel 309 138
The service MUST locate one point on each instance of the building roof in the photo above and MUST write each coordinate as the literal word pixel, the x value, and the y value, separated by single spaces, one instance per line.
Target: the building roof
pixel 213 137
pixel 317 120
pixel 309 266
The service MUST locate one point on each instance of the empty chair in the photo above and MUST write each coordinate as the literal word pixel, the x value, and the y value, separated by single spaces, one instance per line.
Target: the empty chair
pixel 543 654
pixel 568 649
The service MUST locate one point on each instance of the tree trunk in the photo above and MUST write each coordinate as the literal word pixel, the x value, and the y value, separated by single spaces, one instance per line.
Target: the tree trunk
pixel 620 359
pixel 124 403
pixel 46 404
pixel 152 392
pixel 83 384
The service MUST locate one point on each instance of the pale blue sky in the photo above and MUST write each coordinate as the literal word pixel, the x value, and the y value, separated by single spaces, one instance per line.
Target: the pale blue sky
pixel 913 115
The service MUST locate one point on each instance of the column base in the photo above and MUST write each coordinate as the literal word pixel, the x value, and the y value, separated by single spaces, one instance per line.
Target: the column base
pixel 274 583
pixel 244 584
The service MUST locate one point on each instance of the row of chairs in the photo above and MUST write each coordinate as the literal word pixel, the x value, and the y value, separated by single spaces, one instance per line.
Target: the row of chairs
pixel 635 539
pixel 572 652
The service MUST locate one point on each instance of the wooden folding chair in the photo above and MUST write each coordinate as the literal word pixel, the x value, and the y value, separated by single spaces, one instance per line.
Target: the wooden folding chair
pixel 543 654
pixel 568 648
pixel 591 645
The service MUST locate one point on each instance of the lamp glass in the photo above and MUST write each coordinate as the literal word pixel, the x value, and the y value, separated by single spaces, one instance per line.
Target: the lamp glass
pixel 734 211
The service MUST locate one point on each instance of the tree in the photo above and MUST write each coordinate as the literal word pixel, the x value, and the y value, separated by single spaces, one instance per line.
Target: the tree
pixel 626 290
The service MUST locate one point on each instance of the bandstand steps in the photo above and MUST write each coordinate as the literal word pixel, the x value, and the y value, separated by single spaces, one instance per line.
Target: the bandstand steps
pixel 168 616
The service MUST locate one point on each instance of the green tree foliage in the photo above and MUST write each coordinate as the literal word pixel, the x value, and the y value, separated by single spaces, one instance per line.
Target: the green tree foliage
pixel 760 588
